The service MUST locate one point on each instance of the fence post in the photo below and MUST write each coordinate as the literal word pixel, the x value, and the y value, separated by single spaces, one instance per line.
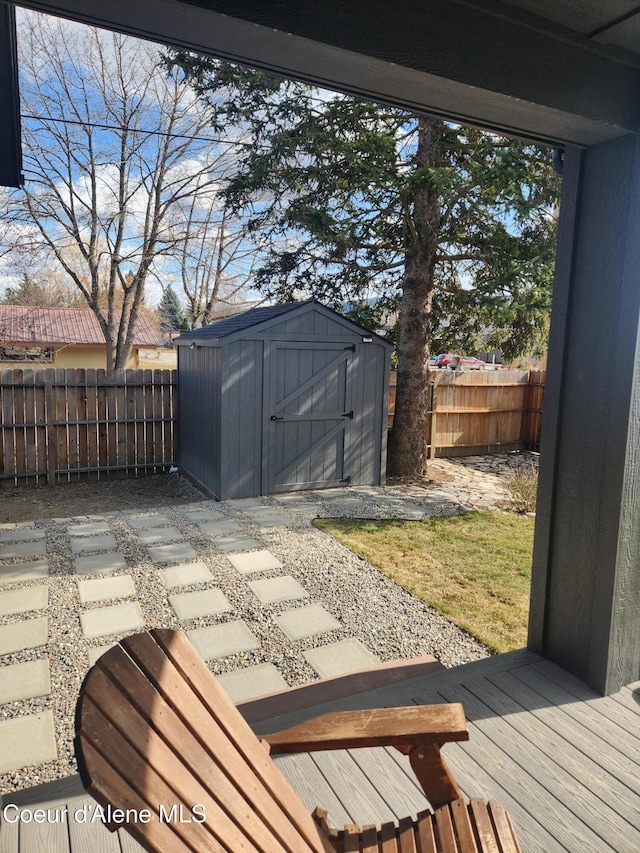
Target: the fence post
pixel 49 409
pixel 432 421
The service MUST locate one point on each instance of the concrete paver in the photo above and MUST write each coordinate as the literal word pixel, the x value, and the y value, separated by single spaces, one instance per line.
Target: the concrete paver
pixel 220 641
pixel 206 602
pixel 90 528
pixel 306 622
pixel 305 506
pixel 187 575
pixel 204 515
pixel 219 528
pixel 102 589
pixel 273 519
pixel 27 571
pixel 27 741
pixel 149 521
pixel 159 535
pixel 117 619
pixel 28 634
pixel 24 680
pixel 104 542
pixel 24 534
pixel 339 658
pixel 96 652
pixel 16 550
pixel 23 600
pixel 252 681
pixel 227 544
pixel 99 563
pixel 254 561
pixel 270 590
pixel 175 553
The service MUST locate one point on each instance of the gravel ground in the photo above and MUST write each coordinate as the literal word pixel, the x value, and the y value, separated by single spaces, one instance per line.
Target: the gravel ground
pixel 88 497
pixel 387 619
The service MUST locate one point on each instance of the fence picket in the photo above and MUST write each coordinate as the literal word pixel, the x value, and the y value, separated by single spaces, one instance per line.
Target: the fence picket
pixel 482 412
pixel 60 425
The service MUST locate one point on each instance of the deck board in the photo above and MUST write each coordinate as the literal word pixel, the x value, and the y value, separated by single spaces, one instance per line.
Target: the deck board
pixel 610 769
pixel 564 761
pixel 548 784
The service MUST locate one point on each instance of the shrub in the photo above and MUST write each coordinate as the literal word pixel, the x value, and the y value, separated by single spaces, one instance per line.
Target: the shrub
pixel 523 488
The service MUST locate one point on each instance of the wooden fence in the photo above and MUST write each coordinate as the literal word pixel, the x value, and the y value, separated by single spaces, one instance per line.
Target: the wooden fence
pixel 58 425
pixel 488 411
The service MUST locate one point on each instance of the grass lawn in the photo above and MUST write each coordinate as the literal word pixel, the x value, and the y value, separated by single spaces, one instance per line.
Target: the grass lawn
pixel 473 568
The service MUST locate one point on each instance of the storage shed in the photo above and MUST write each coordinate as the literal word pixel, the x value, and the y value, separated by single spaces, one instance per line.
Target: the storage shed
pixel 281 398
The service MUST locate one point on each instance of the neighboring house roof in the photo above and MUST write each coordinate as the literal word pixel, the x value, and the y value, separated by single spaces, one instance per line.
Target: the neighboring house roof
pixel 26 324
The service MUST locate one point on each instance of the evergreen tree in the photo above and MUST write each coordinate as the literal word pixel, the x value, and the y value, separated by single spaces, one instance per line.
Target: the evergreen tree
pixel 448 226
pixel 46 293
pixel 170 311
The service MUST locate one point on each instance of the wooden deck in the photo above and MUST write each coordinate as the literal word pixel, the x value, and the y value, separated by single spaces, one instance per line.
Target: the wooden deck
pixel 565 763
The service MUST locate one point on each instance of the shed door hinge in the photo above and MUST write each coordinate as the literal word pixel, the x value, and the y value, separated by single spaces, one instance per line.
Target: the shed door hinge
pixel 348 414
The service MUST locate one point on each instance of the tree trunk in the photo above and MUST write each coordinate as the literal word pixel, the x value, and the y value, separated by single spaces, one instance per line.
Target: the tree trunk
pixel 409 439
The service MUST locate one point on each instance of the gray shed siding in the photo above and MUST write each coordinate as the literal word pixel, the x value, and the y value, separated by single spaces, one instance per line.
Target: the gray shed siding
pixel 266 407
pixel 241 413
pixel 199 416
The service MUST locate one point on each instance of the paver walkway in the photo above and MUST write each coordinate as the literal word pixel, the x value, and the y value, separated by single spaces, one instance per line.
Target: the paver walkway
pixel 110 601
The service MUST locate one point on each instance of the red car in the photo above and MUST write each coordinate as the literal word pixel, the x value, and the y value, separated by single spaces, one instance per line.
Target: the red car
pixel 447 359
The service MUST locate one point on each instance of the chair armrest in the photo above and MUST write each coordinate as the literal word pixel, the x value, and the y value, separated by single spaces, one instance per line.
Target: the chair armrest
pixel 402 728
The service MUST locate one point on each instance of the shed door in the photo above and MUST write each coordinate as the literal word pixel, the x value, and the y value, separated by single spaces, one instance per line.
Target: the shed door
pixel 308 415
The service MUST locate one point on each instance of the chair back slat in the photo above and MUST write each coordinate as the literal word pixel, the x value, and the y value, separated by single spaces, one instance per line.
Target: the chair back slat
pixel 152 713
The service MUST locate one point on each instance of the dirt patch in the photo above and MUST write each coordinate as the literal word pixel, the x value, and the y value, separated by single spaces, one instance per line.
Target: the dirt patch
pixel 34 503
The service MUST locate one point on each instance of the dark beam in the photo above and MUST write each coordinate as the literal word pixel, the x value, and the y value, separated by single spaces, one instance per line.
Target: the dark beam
pixel 10 140
pixel 585 607
pixel 441 57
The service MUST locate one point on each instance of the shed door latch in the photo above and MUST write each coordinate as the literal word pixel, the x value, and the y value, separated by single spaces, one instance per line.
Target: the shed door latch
pixel 276 418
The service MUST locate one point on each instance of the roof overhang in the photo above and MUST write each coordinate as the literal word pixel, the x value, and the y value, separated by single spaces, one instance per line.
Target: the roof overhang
pixel 477 62
pixel 10 138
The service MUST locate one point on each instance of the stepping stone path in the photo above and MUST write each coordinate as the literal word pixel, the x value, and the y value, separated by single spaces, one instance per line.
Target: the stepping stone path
pixel 149 521
pixel 271 590
pixel 28 739
pixel 106 542
pixel 159 535
pixel 102 589
pixel 117 619
pixel 209 572
pixel 99 564
pixel 176 553
pixel 254 561
pixel 306 622
pixel 191 605
pixel 186 575
pixel 221 641
pixel 339 658
pixel 252 681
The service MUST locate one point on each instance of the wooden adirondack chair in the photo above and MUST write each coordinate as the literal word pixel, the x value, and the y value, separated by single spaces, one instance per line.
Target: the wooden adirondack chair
pixel 158 739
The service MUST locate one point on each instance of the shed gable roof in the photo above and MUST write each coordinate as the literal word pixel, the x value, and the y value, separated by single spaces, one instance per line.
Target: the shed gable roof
pixel 237 322
pixel 27 324
pixel 262 316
